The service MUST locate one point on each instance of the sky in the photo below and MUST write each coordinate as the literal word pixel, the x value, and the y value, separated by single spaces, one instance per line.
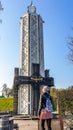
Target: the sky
pixel 58 20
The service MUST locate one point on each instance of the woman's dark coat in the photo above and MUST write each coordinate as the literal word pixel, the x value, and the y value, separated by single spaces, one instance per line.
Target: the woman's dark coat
pixel 42 102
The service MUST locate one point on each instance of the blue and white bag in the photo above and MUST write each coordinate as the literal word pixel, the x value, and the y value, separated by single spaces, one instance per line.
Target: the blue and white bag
pixel 49 106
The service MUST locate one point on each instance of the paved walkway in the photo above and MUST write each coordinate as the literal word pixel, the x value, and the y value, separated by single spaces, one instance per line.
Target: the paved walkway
pixel 27 124
pixel 33 124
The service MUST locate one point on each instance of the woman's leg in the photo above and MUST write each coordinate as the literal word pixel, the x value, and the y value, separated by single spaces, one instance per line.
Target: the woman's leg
pixel 48 122
pixel 42 124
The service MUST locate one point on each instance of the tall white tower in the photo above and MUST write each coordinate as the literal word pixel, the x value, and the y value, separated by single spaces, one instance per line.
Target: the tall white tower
pixel 31 52
pixel 31 42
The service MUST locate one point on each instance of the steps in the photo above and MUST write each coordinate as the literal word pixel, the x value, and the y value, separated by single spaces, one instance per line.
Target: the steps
pixel 25 117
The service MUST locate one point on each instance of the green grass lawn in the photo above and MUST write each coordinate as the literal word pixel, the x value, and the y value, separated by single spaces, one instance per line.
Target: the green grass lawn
pixel 6 104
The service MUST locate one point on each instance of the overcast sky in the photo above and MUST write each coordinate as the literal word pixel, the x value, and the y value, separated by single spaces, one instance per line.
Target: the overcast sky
pixel 58 17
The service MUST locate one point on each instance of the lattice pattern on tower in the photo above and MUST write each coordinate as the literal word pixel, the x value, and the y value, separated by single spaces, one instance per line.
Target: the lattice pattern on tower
pixel 24 99
pixel 34 39
pixel 24 46
pixel 41 47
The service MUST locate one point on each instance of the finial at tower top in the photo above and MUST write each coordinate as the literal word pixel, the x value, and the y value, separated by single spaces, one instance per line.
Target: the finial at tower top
pixel 31 3
pixel 31 8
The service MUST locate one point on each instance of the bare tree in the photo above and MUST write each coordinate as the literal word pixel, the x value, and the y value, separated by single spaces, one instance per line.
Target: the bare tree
pixel 70 46
pixel 1 9
pixel 7 92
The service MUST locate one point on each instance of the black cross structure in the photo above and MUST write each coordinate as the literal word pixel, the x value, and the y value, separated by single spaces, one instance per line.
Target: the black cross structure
pixel 36 81
pixel 49 81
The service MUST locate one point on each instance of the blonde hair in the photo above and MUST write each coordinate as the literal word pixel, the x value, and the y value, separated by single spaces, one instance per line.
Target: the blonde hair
pixel 44 89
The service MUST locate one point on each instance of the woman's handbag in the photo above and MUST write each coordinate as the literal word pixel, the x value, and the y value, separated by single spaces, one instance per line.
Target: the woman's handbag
pixel 45 114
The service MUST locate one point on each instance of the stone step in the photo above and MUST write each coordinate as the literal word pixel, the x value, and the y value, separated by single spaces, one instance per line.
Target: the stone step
pixel 24 117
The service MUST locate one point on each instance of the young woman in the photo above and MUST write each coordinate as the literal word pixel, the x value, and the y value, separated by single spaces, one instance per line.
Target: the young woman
pixel 44 114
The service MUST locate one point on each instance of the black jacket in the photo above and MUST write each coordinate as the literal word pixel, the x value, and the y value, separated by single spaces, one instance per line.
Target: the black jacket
pixel 42 102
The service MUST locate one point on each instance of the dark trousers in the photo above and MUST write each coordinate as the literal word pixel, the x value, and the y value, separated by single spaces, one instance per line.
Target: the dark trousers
pixel 48 123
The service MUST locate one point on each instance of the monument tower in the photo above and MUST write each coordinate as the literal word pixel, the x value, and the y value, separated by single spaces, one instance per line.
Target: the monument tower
pixel 31 42
pixel 30 75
